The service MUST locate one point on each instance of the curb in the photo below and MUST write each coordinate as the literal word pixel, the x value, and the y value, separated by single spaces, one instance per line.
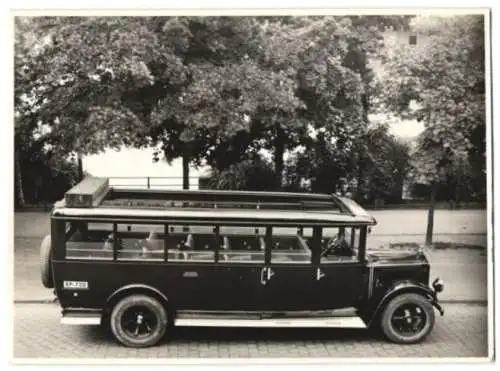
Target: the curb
pixel 466 302
pixel 35 301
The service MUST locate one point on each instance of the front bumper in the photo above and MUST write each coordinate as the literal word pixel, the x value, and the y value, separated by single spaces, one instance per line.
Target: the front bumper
pixel 438 307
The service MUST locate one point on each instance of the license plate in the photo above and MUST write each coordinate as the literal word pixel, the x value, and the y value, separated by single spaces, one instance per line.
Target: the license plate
pixel 76 285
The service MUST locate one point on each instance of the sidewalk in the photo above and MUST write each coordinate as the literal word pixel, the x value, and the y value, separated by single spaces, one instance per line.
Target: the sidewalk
pixel 463 270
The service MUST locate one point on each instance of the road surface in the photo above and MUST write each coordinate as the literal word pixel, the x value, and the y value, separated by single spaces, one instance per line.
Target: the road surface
pixel 462 332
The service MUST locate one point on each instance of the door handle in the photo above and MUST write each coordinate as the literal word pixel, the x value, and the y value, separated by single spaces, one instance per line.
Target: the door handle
pixel 262 279
pixel 270 273
pixel 319 274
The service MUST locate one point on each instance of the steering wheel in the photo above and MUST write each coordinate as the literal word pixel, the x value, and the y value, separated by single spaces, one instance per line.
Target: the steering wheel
pixel 338 246
pixel 333 244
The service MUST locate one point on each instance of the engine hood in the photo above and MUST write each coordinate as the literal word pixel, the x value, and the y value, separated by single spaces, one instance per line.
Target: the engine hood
pixel 400 255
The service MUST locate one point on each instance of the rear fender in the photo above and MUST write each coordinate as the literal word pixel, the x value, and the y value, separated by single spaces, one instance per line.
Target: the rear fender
pixel 135 289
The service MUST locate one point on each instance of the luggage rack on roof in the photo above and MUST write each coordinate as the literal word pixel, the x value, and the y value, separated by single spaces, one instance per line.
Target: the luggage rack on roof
pixel 96 193
pixel 162 204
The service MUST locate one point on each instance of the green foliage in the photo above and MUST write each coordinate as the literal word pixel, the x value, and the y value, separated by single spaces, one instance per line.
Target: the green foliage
pixel 46 176
pixel 212 89
pixel 253 174
pixel 442 85
pixel 73 83
pixel 373 167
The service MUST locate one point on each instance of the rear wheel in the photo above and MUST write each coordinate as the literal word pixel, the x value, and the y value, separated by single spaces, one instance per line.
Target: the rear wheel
pixel 407 319
pixel 138 321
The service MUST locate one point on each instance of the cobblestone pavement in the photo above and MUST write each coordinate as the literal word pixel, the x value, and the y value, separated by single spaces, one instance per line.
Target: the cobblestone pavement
pixel 462 332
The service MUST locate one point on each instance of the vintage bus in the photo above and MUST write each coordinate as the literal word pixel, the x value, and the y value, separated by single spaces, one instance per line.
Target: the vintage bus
pixel 142 261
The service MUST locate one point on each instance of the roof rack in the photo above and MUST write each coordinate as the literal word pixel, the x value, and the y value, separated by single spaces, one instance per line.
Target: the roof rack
pixel 94 192
pixel 96 195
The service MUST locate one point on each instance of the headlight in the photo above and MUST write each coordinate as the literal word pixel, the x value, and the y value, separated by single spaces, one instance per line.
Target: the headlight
pixel 438 285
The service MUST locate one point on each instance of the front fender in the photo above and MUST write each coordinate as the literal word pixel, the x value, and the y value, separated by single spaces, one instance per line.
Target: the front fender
pixel 377 303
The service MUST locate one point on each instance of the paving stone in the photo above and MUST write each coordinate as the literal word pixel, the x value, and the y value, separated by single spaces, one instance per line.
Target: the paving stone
pixel 462 332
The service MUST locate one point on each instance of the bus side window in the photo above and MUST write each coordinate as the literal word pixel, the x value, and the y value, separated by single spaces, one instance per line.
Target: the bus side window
pixel 339 245
pixel 198 245
pixel 243 245
pixel 291 249
pixel 140 242
pixel 90 241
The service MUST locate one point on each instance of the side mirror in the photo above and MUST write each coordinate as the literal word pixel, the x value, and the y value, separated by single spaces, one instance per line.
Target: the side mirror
pixel 369 230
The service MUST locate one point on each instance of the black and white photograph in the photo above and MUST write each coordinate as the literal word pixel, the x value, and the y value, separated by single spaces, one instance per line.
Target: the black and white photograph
pixel 238 186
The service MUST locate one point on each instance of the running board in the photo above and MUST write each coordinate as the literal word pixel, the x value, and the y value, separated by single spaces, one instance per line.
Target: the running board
pixel 328 322
pixel 91 319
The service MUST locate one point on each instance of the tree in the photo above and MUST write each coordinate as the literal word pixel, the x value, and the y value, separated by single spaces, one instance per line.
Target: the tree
pixel 24 42
pixel 73 83
pixel 217 108
pixel 442 85
pixel 203 87
pixel 186 84
pixel 386 165
pixel 253 173
pixel 308 50
pixel 326 166
pixel 328 57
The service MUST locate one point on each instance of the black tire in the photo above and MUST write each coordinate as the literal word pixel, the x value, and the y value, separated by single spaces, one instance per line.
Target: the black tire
pixel 46 262
pixel 141 313
pixel 396 313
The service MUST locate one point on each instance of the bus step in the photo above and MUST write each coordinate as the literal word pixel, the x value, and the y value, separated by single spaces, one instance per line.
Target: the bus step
pixel 325 322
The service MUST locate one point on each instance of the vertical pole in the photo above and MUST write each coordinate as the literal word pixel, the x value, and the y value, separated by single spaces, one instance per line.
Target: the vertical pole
pixel 217 242
pixel 316 244
pixel 148 183
pixel 115 241
pixel 362 244
pixel 268 240
pixel 165 244
pixel 430 216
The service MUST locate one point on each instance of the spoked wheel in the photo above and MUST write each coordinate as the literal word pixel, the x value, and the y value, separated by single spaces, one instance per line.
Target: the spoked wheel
pixel 407 319
pixel 139 321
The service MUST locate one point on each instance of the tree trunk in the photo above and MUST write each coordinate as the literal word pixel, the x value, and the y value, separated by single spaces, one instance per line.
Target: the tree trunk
pixel 359 177
pixel 279 149
pixel 458 186
pixel 185 177
pixel 80 165
pixel 359 188
pixel 366 105
pixel 430 216
pixel 19 179
pixel 185 170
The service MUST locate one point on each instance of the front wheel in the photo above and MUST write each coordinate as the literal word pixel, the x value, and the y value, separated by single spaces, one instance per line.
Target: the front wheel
pixel 138 321
pixel 407 319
